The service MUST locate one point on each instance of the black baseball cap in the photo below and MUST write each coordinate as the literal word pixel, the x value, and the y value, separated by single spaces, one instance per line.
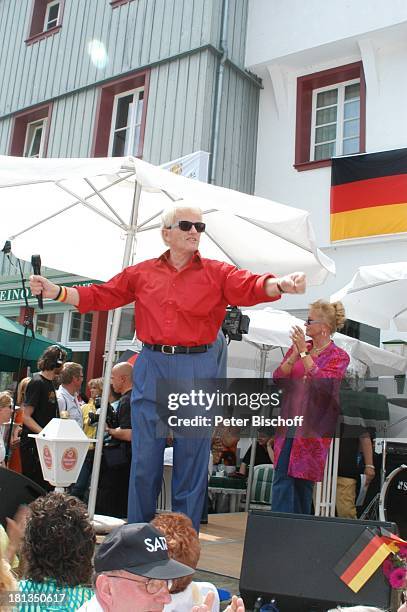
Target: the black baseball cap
pixel 139 548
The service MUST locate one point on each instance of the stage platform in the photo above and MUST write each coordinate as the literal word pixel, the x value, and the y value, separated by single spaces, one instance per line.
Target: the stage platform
pixel 222 542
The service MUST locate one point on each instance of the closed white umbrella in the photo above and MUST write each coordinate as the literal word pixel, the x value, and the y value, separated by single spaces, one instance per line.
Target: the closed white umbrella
pixel 377 295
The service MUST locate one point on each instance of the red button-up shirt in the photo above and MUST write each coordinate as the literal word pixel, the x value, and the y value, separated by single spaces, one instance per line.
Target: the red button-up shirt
pixel 177 307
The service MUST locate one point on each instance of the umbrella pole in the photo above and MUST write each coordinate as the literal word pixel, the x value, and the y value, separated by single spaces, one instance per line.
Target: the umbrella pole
pixel 128 251
pixel 264 350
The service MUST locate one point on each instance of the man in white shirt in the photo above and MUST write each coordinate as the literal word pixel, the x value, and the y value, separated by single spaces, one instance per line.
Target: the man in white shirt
pixel 133 571
pixel 67 394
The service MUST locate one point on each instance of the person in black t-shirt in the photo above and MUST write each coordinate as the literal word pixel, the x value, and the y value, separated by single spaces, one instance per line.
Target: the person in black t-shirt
pixel 113 488
pixel 40 407
pixel 264 453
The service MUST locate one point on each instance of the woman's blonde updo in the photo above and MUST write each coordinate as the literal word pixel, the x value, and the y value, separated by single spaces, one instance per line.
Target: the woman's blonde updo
pixel 333 314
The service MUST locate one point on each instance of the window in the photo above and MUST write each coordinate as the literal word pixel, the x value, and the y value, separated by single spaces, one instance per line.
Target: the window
pixel 126 328
pixel 81 327
pixel 46 19
pixel 120 121
pixel 126 123
pixel 51 15
pixel 330 117
pixel 30 132
pixel 50 325
pixel 335 121
pixel 35 137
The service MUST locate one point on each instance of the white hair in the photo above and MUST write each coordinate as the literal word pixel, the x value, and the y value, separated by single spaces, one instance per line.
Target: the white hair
pixel 356 609
pixel 169 214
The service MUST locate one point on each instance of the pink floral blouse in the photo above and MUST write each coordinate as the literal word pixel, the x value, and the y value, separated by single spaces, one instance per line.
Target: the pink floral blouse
pixel 308 454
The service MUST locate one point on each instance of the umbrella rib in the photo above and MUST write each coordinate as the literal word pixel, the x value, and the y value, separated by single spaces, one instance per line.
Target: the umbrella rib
pixel 300 246
pixel 97 192
pixel 27 229
pixel 87 205
pixel 400 312
pixel 30 227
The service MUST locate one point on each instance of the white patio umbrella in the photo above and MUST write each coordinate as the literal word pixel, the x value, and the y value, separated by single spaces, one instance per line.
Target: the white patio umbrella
pixel 270 327
pixel 92 217
pixel 377 295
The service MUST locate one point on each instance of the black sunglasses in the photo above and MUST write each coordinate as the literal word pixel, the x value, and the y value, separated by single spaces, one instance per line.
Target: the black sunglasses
pixel 311 321
pixel 185 226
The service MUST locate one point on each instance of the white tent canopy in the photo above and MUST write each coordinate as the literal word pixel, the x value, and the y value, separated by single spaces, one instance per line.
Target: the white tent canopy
pixel 79 212
pixel 377 295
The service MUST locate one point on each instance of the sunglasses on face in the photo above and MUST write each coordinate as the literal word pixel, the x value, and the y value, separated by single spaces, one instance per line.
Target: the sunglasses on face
pixel 311 321
pixel 185 226
pixel 152 585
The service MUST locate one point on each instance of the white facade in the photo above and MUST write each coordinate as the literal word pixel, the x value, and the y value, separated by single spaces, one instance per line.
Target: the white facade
pixel 288 39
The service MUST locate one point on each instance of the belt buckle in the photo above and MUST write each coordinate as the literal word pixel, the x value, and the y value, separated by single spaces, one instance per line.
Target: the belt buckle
pixel 171 352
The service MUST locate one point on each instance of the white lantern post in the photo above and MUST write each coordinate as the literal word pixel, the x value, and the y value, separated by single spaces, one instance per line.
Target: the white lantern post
pixel 62 448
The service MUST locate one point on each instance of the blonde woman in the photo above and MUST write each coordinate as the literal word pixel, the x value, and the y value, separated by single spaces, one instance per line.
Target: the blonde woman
pixel 300 457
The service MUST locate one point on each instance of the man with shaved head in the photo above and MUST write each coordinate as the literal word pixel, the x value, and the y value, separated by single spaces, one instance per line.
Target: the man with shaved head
pixel 180 302
pixel 116 457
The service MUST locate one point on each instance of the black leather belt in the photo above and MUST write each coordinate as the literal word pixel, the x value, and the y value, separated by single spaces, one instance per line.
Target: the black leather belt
pixel 168 349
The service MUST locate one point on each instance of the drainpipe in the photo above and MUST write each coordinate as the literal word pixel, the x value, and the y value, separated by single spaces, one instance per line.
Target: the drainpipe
pixel 223 46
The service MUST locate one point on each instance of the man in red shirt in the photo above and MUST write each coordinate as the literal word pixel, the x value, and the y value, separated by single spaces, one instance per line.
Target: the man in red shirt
pixel 181 301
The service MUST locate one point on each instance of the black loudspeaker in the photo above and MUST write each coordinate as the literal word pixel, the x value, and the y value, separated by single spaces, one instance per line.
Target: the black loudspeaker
pixel 292 557
pixel 16 490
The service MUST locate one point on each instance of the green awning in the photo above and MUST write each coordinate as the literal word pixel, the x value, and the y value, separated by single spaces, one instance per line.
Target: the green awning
pixel 11 344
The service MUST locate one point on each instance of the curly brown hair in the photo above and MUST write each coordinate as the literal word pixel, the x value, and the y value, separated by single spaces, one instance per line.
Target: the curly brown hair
pixel 182 541
pixel 49 358
pixel 59 541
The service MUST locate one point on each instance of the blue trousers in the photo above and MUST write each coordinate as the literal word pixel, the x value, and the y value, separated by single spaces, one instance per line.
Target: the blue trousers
pixel 191 454
pixel 290 494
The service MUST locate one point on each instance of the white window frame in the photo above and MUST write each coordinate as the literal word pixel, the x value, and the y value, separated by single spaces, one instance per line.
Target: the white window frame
pixel 29 142
pixel 47 12
pixel 339 116
pixel 132 125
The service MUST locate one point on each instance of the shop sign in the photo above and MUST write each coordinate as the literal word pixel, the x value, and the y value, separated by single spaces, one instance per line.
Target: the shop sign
pixel 16 294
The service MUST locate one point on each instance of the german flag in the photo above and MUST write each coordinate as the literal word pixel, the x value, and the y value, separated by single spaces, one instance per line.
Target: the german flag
pixel 369 195
pixel 362 559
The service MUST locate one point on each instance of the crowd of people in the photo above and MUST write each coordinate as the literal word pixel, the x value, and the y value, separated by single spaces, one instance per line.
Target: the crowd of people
pixel 148 564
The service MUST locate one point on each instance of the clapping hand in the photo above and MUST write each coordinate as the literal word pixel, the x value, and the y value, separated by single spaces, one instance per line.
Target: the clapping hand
pixel 297 335
pixel 236 605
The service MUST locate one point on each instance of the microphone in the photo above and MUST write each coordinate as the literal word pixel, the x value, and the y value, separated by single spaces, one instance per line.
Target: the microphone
pixel 7 248
pixel 36 266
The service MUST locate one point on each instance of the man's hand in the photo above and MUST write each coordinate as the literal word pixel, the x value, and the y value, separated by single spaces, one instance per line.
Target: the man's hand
pixel 369 474
pixel 293 283
pixel 207 604
pixel 40 284
pixel 237 605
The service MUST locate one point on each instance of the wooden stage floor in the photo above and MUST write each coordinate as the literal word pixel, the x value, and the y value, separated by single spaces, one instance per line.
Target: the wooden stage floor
pixel 222 542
